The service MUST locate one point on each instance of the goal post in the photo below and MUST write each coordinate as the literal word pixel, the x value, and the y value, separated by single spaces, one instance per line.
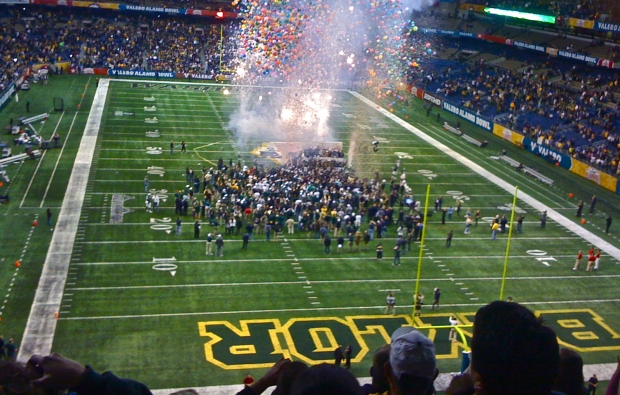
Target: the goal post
pixel 466 353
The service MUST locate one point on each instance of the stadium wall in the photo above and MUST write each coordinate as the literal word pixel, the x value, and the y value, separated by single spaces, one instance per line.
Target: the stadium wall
pixel 567 162
pixel 560 159
pixel 591 60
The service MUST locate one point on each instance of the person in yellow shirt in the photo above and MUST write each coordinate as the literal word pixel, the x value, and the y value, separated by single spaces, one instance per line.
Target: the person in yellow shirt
pixel 494 229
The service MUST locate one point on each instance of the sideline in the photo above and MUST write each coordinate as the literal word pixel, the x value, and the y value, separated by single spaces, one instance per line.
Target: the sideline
pixel 508 187
pixel 41 325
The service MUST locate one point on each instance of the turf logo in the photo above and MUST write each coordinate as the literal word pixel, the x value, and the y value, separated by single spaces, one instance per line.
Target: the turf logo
pixel 258 343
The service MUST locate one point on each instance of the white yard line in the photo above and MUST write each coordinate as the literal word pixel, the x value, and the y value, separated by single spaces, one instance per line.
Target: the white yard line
pixel 41 325
pixel 318 260
pixel 239 241
pixel 246 312
pixel 167 92
pixel 405 280
pixel 49 183
pixel 553 215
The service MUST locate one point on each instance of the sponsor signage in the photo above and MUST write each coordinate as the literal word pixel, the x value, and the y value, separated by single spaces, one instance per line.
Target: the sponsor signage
pixel 468 116
pixel 128 7
pixel 533 47
pixel 138 73
pixel 547 153
pixel 195 76
pixel 6 95
pixel 539 48
pixel 578 56
pixel 430 98
pixel 608 27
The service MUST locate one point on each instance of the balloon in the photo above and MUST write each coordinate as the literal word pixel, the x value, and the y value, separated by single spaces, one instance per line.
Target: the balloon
pixel 415 28
pixel 428 45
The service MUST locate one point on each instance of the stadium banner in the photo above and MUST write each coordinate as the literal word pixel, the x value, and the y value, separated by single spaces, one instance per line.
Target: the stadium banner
pixel 552 51
pixel 5 96
pixel 466 34
pixel 601 178
pixel 130 7
pixel 495 39
pixel 608 27
pixel 138 73
pixel 507 134
pixel 85 4
pixel 419 93
pixel 533 47
pixel 586 24
pixel 578 56
pixel 64 66
pixel 95 71
pixel 14 1
pixel 472 7
pixel 547 153
pixel 195 76
pixel 431 98
pixel 468 116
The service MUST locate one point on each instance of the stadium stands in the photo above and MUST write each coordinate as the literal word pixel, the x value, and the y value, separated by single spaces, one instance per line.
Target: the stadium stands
pixel 570 106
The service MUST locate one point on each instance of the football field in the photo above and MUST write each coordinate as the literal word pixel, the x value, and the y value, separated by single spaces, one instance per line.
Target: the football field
pixel 136 298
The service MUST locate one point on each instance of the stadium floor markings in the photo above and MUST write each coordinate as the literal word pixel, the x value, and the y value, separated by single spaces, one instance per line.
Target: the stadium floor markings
pixel 297 310
pixel 349 281
pixel 586 235
pixel 62 150
pixel 239 241
pixel 313 260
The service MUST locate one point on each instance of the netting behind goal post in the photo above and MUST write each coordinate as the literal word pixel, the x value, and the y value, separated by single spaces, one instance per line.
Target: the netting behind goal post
pixel 59 104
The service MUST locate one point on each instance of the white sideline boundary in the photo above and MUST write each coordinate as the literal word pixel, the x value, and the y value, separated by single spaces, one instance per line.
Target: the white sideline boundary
pixel 41 325
pixel 552 214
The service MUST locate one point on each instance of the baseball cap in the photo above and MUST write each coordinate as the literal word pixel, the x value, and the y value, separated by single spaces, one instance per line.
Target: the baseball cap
pixel 412 353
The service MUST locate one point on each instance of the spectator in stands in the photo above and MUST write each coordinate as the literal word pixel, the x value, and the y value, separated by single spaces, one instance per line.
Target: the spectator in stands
pixel 412 366
pixel 54 374
pixel 379 383
pixel 512 352
pixel 461 384
pixel 282 374
pixel 326 379
pixel 569 380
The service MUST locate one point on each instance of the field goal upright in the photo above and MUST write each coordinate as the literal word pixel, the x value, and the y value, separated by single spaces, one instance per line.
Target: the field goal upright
pixel 59 104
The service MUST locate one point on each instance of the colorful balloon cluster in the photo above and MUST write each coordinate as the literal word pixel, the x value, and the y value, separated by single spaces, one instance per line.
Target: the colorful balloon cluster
pixel 325 42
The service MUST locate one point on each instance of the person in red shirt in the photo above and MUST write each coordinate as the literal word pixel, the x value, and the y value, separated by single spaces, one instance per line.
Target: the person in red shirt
pixel 597 259
pixel 578 261
pixel 591 260
pixel 591 252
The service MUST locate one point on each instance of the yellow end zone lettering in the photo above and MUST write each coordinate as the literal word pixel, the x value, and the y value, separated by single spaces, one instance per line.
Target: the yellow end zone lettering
pixel 259 343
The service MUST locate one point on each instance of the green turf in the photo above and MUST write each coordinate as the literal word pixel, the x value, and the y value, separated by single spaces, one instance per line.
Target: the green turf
pixel 173 331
